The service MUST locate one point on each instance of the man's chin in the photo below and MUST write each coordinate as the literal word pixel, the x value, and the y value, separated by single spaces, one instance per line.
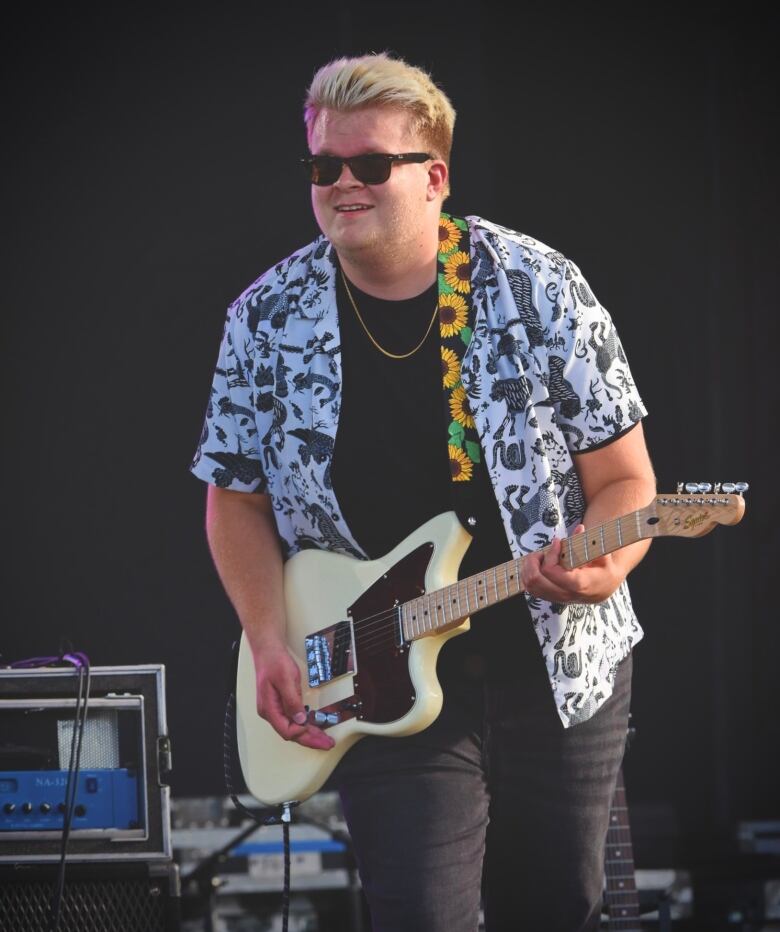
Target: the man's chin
pixel 356 243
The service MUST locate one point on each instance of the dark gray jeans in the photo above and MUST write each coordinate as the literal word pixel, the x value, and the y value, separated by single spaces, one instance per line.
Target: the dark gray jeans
pixel 494 800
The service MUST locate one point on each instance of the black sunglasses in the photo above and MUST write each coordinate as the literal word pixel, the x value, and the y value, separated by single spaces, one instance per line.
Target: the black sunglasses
pixel 374 168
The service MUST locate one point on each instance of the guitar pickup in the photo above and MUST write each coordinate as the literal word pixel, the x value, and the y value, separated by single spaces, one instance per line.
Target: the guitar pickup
pixel 329 653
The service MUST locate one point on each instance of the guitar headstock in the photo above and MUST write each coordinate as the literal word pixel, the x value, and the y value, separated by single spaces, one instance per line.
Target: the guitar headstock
pixel 698 507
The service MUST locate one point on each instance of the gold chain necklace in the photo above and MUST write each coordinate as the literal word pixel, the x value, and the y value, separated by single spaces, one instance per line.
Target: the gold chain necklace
pixel 368 332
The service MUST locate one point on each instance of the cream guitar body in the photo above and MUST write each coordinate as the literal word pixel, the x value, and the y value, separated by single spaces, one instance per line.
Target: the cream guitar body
pixel 395 684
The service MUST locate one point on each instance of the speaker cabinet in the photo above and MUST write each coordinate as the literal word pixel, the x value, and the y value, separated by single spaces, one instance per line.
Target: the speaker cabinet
pixel 119 897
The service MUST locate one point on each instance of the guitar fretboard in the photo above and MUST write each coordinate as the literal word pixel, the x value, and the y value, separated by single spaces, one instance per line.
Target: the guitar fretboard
pixel 620 895
pixel 449 606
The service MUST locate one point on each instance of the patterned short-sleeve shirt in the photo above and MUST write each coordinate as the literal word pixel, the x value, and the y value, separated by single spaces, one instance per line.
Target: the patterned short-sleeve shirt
pixel 545 375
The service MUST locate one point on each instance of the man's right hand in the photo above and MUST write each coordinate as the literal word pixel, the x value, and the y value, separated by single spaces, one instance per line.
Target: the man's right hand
pixel 279 701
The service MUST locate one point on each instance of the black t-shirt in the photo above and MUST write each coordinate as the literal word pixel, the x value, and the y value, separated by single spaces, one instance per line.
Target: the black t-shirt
pixel 391 469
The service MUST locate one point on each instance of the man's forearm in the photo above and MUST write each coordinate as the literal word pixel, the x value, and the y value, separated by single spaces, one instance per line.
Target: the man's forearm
pixel 614 500
pixel 245 547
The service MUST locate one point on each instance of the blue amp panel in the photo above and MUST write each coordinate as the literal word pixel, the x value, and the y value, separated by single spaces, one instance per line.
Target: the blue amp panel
pixel 34 800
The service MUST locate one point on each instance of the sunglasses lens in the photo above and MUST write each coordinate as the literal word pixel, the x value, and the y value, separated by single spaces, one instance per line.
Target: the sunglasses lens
pixel 324 170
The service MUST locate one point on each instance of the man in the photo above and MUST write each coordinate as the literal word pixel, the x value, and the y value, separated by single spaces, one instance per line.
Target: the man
pixel 517 411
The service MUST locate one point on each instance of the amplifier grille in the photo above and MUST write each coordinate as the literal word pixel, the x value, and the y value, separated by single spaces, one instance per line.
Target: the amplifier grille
pixel 107 905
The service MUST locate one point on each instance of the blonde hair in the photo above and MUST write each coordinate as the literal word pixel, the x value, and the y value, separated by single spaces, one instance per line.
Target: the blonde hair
pixel 351 83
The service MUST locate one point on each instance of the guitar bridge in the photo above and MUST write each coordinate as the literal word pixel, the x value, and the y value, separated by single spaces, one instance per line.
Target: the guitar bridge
pixel 333 714
pixel 329 653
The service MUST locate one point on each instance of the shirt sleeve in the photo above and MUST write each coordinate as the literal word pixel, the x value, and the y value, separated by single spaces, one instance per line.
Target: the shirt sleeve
pixel 591 384
pixel 228 455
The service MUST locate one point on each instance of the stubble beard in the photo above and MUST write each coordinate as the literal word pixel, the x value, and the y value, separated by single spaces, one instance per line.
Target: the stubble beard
pixel 396 245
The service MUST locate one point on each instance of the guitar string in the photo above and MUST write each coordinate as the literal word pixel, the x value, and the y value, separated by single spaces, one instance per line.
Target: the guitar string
pixel 621 897
pixel 608 545
pixel 386 619
pixel 364 624
pixel 382 618
pixel 366 628
pixel 368 635
pixel 386 615
pixel 379 629
pixel 618 884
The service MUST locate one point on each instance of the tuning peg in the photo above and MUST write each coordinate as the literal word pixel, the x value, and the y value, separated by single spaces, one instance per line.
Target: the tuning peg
pixel 705 487
pixel 692 487
pixel 728 487
pixel 741 487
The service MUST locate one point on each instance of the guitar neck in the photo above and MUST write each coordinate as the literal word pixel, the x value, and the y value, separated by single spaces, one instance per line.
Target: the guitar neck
pixel 447 607
pixel 621 898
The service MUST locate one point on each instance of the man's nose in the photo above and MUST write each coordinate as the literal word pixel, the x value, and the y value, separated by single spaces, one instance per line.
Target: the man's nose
pixel 346 179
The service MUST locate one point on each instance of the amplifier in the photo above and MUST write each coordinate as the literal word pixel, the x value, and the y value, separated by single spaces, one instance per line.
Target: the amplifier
pixel 122 804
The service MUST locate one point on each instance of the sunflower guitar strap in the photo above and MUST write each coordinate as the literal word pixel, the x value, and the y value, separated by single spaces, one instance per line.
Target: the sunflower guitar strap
pixel 456 324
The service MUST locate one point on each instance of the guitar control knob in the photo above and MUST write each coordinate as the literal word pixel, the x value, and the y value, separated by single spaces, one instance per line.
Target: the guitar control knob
pixel 8 808
pixel 80 810
pixel 26 808
pixel 45 807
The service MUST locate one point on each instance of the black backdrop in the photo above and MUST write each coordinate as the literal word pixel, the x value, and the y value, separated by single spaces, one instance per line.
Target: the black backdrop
pixel 149 175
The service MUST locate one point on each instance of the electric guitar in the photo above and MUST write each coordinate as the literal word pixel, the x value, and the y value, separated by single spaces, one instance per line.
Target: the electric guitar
pixel 366 634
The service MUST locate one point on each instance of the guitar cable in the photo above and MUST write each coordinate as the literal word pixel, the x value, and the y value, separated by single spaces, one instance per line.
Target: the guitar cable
pixel 275 815
pixel 80 662
pixel 270 816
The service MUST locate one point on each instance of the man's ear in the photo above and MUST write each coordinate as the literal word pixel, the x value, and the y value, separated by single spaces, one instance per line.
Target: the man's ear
pixel 438 176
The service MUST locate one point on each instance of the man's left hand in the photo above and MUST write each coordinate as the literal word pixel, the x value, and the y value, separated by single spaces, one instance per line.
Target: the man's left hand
pixel 543 575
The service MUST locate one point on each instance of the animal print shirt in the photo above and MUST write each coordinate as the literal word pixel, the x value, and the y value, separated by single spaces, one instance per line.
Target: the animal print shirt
pixel 545 376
